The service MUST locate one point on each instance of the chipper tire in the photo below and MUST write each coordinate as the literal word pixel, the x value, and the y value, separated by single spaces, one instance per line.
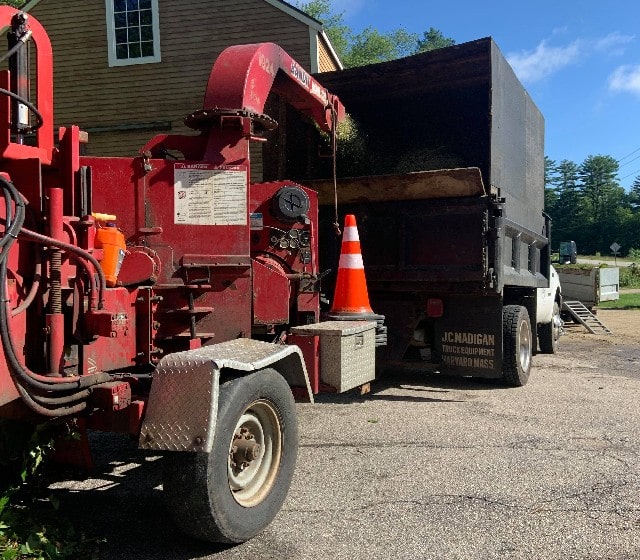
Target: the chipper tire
pixel 517 345
pixel 232 493
pixel 549 333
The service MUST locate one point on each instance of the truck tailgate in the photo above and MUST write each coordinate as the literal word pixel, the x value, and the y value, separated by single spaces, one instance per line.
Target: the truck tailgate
pixel 425 231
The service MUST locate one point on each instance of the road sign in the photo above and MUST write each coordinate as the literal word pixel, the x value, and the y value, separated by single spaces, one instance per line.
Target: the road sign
pixel 615 248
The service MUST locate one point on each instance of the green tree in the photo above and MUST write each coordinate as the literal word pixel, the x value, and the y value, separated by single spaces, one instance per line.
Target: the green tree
pixel 603 198
pixel 550 192
pixel 370 45
pixel 339 32
pixel 14 3
pixel 634 194
pixel 432 40
pixel 566 212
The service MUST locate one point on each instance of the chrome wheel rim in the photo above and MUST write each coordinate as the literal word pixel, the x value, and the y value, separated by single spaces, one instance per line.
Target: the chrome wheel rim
pixel 524 351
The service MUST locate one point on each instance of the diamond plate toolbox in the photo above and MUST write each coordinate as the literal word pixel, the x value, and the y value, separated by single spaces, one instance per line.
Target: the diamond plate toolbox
pixel 347 352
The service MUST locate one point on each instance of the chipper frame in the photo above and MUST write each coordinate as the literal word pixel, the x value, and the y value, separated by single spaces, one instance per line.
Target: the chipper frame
pixel 154 287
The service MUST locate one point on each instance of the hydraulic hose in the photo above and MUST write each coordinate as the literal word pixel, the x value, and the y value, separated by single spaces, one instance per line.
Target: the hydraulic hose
pixel 28 105
pixel 41 382
pixel 79 253
pixel 75 388
pixel 21 40
pixel 33 290
pixel 59 400
pixel 49 412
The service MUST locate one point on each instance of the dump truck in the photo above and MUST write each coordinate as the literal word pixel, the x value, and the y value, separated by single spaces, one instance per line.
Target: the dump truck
pixel 158 295
pixel 444 170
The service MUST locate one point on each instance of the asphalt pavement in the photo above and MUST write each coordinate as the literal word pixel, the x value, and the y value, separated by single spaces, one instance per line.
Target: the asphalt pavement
pixel 423 467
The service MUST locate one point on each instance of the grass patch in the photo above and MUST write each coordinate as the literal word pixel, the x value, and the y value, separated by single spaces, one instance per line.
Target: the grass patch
pixel 630 276
pixel 626 301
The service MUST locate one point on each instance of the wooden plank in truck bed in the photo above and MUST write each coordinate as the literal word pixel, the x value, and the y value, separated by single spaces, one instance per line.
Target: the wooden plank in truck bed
pixel 419 185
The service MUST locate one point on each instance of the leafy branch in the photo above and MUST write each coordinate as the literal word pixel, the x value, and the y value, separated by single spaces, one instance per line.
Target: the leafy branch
pixel 30 524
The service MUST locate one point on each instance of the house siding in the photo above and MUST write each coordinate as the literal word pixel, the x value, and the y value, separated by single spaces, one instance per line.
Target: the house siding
pixel 89 93
pixel 326 61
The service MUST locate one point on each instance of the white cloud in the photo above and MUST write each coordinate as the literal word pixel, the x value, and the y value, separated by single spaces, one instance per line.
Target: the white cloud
pixel 613 43
pixel 625 78
pixel 543 61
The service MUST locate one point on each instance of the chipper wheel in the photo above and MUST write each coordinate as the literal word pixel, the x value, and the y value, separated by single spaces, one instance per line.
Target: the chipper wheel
pixel 517 345
pixel 234 492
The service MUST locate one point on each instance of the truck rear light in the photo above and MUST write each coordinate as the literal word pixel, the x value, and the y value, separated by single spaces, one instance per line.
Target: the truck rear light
pixel 435 308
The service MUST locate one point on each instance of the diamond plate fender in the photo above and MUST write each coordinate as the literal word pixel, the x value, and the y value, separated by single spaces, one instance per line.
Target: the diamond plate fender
pixel 183 403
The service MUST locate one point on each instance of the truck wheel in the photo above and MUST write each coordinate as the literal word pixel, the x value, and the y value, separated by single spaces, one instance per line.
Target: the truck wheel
pixel 516 345
pixel 232 493
pixel 549 333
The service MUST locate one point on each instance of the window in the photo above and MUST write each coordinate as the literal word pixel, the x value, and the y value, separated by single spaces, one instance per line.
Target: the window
pixel 133 31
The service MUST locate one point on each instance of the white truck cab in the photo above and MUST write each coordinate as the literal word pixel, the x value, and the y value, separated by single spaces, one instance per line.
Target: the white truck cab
pixel 549 305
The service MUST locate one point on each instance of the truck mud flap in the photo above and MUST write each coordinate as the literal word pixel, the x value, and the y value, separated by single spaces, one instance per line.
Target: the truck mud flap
pixel 468 338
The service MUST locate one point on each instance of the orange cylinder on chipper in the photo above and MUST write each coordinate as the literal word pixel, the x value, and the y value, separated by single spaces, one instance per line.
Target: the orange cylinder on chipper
pixel 111 240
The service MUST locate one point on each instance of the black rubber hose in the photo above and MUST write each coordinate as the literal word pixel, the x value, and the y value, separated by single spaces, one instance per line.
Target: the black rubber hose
pixel 60 400
pixel 33 290
pixel 28 105
pixel 49 412
pixel 21 41
pixel 14 224
pixel 17 227
pixel 39 120
pixel 82 254
pixel 34 380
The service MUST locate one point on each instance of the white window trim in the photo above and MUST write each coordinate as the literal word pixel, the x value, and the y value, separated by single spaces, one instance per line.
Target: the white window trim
pixel 111 38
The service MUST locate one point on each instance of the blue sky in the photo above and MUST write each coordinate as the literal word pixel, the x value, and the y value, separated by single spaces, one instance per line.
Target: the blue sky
pixel 579 61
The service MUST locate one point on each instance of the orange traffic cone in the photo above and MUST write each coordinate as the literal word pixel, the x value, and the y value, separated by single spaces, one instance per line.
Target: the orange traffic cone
pixel 351 298
pixel 351 295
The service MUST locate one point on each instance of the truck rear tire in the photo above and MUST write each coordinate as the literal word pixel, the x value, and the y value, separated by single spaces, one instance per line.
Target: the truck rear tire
pixel 232 493
pixel 517 345
pixel 549 333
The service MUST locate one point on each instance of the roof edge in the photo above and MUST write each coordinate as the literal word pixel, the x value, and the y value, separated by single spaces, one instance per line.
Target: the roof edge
pixel 290 10
pixel 30 4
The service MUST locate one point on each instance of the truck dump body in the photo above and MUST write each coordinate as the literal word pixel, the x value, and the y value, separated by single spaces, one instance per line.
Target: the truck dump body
pixel 457 107
pixel 450 204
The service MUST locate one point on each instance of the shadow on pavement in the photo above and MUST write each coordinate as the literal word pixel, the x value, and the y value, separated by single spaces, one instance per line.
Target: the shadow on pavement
pixel 120 505
pixel 431 387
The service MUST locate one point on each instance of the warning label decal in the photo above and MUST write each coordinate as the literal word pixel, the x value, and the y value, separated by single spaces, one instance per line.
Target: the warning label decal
pixel 207 195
